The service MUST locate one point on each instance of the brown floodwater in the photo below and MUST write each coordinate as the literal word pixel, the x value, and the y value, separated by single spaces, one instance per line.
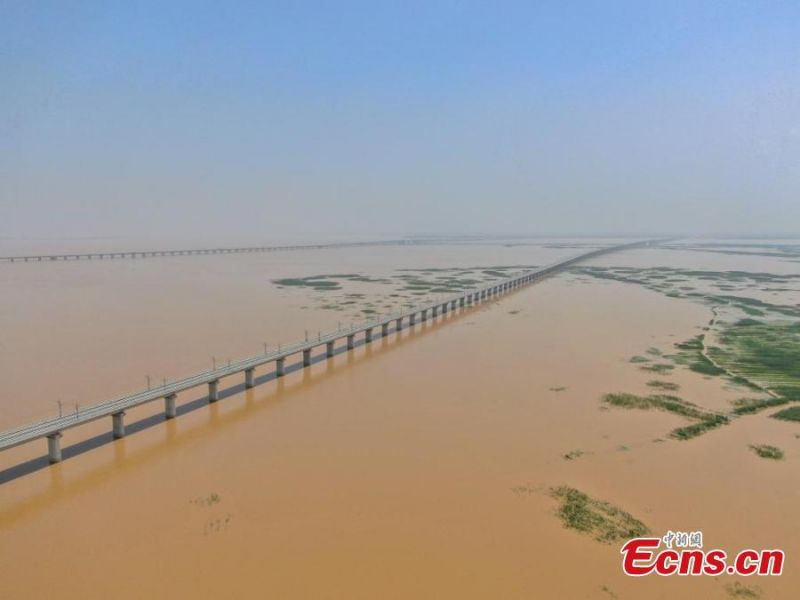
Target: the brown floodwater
pixel 391 471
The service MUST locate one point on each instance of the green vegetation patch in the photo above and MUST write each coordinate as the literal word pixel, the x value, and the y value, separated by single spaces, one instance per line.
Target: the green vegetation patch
pixel 314 282
pixel 690 354
pixel 767 352
pixel 759 305
pixel 573 454
pixel 739 590
pixel 666 386
pixel 767 451
pixel 788 414
pixel 326 282
pixel 705 420
pixel 605 522
pixel 749 406
pixel 660 368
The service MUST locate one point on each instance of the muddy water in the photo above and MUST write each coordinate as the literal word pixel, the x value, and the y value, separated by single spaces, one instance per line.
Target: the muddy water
pixel 82 332
pixel 390 471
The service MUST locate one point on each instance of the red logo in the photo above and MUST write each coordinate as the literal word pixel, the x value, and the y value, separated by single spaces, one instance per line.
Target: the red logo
pixel 640 557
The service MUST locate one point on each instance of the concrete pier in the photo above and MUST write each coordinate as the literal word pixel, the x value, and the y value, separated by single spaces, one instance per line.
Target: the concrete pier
pixel 423 316
pixel 461 302
pixel 279 367
pixel 329 349
pixel 444 308
pixel 368 335
pixel 307 357
pixel 411 319
pixel 384 330
pixel 351 341
pixel 54 447
pixel 170 410
pixel 213 390
pixel 398 324
pixel 118 425
pixel 249 378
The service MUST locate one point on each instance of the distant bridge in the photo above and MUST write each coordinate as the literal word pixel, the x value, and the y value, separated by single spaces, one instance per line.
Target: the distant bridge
pixel 52 428
pixel 204 251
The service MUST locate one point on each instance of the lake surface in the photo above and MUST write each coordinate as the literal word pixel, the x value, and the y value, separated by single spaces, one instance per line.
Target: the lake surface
pixel 418 466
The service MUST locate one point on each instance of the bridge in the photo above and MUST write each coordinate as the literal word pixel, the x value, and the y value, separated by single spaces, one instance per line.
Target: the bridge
pixel 52 428
pixel 206 251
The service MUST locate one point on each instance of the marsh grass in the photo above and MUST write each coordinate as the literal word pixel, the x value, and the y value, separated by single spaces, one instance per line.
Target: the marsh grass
pixel 602 520
pixel 705 420
pixel 210 500
pixel 666 386
pixel 660 368
pixel 573 454
pixel 749 406
pixel 767 451
pixel 788 414
pixel 739 590
pixel 767 352
pixel 314 282
pixel 690 354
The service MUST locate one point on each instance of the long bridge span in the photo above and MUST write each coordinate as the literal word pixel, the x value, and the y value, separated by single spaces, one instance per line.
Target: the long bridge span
pixel 205 251
pixel 52 429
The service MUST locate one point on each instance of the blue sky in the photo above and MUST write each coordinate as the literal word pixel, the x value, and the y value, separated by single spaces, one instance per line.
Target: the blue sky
pixel 259 119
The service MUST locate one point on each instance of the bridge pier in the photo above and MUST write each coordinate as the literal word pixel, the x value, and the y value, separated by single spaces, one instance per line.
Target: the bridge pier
pixel 398 324
pixel 453 305
pixel 435 311
pixel 279 367
pixel 213 390
pixel 118 425
pixel 423 316
pixel 307 357
pixel 329 349
pixel 461 302
pixel 351 341
pixel 249 379
pixel 411 319
pixel 368 335
pixel 444 308
pixel 54 448
pixel 170 410
pixel 384 330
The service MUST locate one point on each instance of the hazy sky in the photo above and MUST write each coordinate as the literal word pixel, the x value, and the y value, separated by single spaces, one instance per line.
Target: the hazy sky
pixel 257 119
